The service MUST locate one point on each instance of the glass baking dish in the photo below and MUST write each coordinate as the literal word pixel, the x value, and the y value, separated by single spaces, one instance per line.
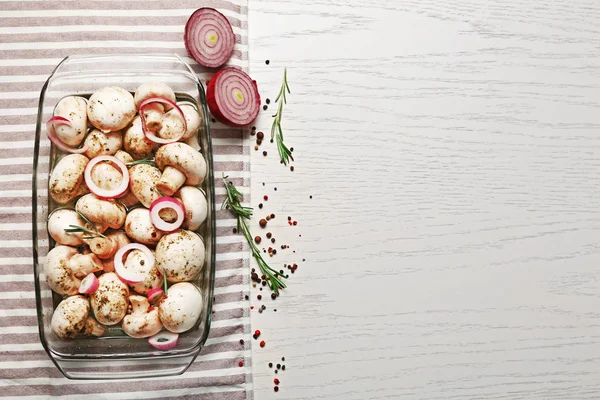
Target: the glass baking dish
pixel 115 355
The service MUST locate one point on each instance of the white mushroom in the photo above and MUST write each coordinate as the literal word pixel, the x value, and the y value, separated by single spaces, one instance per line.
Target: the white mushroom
pixel 142 183
pixel 153 89
pixel 143 321
pixel 65 267
pixel 139 227
pixel 106 176
pixel 60 220
pixel 102 211
pixel 111 108
pixel 193 142
pixel 171 125
pixel 66 181
pixel 103 143
pixel 180 311
pixel 73 108
pixel 106 247
pixel 192 118
pixel 110 301
pixel 123 156
pixel 181 255
pixel 195 205
pixel 180 164
pixel 138 262
pixel 135 141
pixel 71 318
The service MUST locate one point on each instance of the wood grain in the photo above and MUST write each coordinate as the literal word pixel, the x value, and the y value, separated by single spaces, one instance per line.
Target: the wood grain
pixel 452 149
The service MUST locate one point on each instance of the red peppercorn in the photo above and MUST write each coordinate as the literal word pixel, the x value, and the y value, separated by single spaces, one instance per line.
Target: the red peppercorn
pixel 262 223
pixel 241 363
pixel 272 216
pixel 295 223
pixel 262 343
pixel 252 307
pixel 259 297
pixel 276 381
pixel 276 388
pixel 266 197
pixel 257 332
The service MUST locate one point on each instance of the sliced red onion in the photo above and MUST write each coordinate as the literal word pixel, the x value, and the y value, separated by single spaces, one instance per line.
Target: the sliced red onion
pixel 58 120
pixel 105 193
pixel 233 97
pixel 149 134
pixel 128 276
pixel 164 340
pixel 89 284
pixel 209 37
pixel 160 204
pixel 155 294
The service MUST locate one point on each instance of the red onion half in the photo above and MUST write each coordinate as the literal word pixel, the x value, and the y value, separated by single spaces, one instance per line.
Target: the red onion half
pixel 209 37
pixel 233 97
pixel 57 120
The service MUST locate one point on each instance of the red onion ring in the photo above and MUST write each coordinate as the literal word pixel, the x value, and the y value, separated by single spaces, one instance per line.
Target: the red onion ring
pixel 162 203
pixel 233 97
pixel 148 132
pixel 105 193
pixel 89 284
pixel 155 295
pixel 58 120
pixel 130 277
pixel 164 340
pixel 209 37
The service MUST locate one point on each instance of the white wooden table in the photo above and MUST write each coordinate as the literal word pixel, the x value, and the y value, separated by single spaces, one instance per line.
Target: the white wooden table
pixel 452 245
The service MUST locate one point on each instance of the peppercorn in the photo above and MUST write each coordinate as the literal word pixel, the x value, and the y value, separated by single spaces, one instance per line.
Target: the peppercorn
pixel 272 142
pixel 275 189
pixel 292 168
pixel 282 358
pixel 276 388
pixel 246 297
pixel 262 343
pixel 241 363
pixel 274 251
pixel 291 149
pixel 264 283
pixel 262 223
pixel 265 197
pixel 269 234
pixel 272 240
pixel 283 367
pixel 255 336
pixel 260 310
pixel 234 230
pixel 278 366
pixel 257 239
pixel 270 365
pixel 242 342
pixel 260 135
pixel 260 205
pixel 267 62
pixel 273 296
pixel 265 153
pixel 256 147
pixel 272 215
pixel 259 297
pixel 295 223
pixel 276 381
pixel 265 107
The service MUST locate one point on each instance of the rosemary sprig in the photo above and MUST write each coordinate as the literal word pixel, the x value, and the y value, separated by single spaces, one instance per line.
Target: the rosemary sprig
pixel 276 132
pixel 80 229
pixel 233 202
pixel 148 161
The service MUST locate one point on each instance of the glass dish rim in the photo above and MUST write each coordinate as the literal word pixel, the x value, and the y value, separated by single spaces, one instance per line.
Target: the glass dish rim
pixel 192 351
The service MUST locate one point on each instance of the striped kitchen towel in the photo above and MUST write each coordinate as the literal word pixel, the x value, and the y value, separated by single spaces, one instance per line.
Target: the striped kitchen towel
pixel 34 36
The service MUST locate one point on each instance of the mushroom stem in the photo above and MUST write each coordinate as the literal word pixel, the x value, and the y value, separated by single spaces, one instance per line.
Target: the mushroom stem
pixel 83 264
pixel 92 327
pixel 171 180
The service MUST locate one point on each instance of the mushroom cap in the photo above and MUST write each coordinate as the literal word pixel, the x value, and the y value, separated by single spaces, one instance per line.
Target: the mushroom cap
pixel 60 220
pixel 192 118
pixel 172 125
pixel 123 156
pixel 138 262
pixel 139 227
pixel 185 159
pixel 153 89
pixel 195 205
pixel 142 183
pixel 103 143
pixel 73 108
pixel 106 176
pixel 135 141
pixel 181 255
pixel 103 211
pixel 182 308
pixel 142 322
pixel 111 108
pixel 110 301
pixel 66 181
pixel 69 317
